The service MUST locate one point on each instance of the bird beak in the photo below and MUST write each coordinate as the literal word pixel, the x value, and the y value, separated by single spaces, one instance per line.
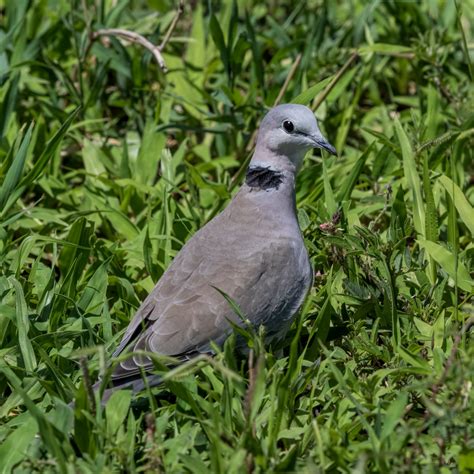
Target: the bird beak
pixel 321 142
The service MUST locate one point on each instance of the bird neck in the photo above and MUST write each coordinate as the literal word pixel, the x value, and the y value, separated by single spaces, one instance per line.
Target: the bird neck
pixel 288 163
pixel 263 177
pixel 270 171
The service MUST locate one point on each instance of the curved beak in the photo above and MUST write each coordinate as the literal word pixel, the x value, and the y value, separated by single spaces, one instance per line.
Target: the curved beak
pixel 321 142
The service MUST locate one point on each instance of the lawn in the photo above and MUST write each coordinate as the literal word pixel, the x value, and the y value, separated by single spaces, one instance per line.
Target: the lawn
pixel 113 155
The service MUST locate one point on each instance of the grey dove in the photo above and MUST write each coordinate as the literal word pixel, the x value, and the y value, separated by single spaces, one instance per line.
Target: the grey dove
pixel 253 251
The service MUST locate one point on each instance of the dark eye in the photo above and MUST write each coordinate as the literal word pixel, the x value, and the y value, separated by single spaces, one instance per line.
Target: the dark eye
pixel 288 126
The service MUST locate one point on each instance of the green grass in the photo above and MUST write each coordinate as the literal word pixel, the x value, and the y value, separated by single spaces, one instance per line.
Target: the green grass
pixel 108 165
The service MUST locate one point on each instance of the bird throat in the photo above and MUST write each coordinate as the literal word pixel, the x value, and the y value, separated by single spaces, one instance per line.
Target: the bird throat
pixel 260 177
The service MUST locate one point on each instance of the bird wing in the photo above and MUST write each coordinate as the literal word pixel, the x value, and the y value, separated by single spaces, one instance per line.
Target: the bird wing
pixel 185 311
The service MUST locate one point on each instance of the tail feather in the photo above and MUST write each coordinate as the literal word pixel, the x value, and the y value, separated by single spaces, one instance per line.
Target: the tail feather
pixel 137 385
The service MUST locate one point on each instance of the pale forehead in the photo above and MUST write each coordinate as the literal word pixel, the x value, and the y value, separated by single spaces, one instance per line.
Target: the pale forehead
pixel 296 113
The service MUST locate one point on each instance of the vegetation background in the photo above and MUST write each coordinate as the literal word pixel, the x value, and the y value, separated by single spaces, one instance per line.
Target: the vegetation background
pixel 108 164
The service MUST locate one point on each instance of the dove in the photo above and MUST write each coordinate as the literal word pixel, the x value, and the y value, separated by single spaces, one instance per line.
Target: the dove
pixel 253 252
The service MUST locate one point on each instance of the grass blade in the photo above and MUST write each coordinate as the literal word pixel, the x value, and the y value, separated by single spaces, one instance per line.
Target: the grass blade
pixel 464 208
pixel 15 170
pixel 447 261
pixel 23 326
pixel 49 150
pixel 413 180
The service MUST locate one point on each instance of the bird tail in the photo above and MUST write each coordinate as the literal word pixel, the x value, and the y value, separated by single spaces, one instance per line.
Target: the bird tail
pixel 135 384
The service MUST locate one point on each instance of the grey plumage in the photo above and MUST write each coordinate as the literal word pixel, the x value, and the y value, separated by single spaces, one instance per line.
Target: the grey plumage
pixel 253 252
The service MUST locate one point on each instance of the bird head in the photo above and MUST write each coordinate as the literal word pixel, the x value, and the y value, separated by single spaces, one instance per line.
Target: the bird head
pixel 290 130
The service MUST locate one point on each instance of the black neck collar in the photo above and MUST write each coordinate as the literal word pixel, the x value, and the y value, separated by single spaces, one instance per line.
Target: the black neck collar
pixel 260 177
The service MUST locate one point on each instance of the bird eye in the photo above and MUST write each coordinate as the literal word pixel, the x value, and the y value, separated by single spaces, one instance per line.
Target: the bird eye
pixel 288 126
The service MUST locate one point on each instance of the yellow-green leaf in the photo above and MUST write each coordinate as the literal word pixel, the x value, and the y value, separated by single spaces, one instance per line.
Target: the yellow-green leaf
pixel 447 262
pixel 464 208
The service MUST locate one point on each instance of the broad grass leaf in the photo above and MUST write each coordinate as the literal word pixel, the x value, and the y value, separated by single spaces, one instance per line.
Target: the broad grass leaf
pixel 23 326
pixel 447 261
pixel 415 361
pixel 14 448
pixel 116 410
pixel 56 443
pixel 465 46
pixel 195 464
pixel 256 53
pixel 196 54
pixel 76 246
pixel 150 154
pixel 63 383
pixel 203 183
pixel 344 127
pixel 425 329
pixel 341 85
pixel 50 149
pixel 182 89
pixel 233 10
pixel 169 164
pixel 431 221
pixel 15 171
pixel 323 320
pixel 464 208
pixel 5 39
pixel 294 433
pixel 148 256
pixel 412 177
pixel 466 462
pixel 7 106
pixel 237 57
pixel 385 140
pixel 114 13
pixel 309 94
pixel 98 85
pixel 116 56
pixel 91 155
pixel 22 256
pixel 62 417
pixel 386 49
pixel 349 183
pixel 95 292
pixel 433 115
pixel 84 437
pixel 121 223
pixel 394 415
pixel 259 389
pixel 439 331
pixel 219 41
pixel 11 200
pixel 329 197
pixel 303 219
